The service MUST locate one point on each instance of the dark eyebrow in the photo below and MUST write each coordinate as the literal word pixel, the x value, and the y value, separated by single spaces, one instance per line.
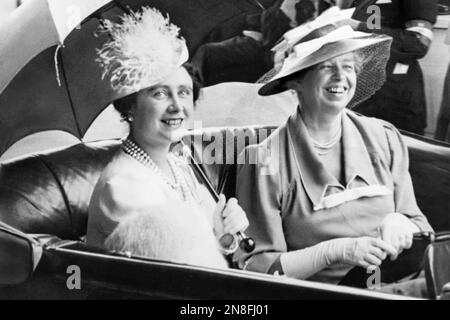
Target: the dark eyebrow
pixel 157 87
pixel 168 87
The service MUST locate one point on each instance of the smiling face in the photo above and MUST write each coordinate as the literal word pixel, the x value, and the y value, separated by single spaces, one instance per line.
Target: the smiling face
pixel 328 86
pixel 161 110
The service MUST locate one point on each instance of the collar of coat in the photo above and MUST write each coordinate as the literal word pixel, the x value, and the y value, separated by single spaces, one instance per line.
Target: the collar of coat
pixel 357 162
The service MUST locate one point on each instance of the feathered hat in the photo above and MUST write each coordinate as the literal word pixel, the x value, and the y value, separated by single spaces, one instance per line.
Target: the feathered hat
pixel 143 49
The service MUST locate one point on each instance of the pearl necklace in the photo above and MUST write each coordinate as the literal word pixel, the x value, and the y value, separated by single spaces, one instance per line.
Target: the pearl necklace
pixel 179 185
pixel 325 148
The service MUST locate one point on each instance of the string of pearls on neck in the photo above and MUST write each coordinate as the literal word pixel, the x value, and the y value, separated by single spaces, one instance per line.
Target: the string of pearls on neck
pixel 179 184
pixel 326 147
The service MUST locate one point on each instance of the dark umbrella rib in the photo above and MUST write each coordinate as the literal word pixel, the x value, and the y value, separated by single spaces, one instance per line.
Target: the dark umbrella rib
pixel 62 72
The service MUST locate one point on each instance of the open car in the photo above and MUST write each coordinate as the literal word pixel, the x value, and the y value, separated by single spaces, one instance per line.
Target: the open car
pixel 44 200
pixel 44 197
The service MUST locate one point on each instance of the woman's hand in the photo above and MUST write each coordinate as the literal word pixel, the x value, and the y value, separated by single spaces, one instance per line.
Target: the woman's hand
pixel 363 251
pixel 397 230
pixel 229 216
pixel 366 252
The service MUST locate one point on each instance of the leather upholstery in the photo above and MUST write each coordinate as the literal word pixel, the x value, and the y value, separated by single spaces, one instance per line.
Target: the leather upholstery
pixel 437 272
pixel 16 256
pixel 430 171
pixel 50 192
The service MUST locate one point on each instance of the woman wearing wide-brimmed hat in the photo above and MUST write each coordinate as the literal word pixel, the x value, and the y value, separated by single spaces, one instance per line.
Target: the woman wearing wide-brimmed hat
pixel 330 188
pixel 147 200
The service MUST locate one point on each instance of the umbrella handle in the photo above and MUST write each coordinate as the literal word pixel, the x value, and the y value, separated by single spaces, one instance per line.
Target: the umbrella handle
pixel 246 243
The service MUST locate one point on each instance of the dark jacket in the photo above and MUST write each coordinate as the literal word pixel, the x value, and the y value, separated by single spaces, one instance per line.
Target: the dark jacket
pixel 227 55
pixel 401 100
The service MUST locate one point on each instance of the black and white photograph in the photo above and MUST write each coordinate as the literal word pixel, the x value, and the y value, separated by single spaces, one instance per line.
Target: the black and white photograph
pixel 225 155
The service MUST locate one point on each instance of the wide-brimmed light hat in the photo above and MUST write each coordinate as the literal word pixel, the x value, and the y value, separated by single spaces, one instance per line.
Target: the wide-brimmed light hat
pixel 143 49
pixel 327 42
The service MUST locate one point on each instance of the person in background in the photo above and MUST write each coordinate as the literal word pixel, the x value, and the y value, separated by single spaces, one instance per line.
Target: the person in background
pixel 401 101
pixel 246 57
pixel 443 121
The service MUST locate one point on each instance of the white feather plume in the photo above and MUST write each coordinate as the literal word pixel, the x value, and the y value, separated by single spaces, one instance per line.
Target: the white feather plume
pixel 143 49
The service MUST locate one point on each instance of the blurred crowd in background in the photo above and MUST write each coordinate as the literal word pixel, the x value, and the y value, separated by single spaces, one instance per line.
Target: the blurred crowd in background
pixel 239 50
pixel 246 56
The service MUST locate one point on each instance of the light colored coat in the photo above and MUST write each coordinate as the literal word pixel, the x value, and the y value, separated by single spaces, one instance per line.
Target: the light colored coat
pixel 133 209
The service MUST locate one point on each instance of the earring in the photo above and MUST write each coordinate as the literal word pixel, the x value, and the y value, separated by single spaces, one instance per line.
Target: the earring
pixel 130 117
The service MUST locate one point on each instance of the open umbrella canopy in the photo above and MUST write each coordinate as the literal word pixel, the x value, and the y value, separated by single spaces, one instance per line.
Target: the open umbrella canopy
pixel 64 91
pixel 35 26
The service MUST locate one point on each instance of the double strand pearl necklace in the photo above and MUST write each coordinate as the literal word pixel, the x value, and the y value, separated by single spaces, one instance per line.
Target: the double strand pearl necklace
pixel 324 148
pixel 179 185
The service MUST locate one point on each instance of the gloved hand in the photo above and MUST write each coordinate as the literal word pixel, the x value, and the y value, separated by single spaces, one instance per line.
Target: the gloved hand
pixel 445 292
pixel 363 251
pixel 397 230
pixel 229 217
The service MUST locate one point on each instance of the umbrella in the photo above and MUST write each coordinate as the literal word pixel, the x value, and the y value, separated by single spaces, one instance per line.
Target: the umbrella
pixel 62 89
pixel 35 26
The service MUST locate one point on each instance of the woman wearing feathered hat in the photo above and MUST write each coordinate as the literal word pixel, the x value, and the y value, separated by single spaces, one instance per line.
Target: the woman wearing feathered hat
pixel 339 193
pixel 147 200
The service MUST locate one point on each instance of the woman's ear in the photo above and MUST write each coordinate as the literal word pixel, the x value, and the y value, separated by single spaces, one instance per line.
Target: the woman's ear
pixel 131 114
pixel 126 105
pixel 130 117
